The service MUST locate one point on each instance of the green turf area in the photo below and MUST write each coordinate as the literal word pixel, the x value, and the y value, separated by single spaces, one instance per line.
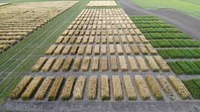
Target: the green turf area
pixel 18 60
pixel 190 7
pixel 193 87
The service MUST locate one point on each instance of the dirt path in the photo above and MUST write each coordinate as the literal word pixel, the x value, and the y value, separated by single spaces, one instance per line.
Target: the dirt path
pixel 85 106
pixel 186 23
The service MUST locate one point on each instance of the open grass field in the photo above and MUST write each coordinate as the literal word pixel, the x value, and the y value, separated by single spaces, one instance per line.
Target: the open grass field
pixel 189 7
pixel 91 55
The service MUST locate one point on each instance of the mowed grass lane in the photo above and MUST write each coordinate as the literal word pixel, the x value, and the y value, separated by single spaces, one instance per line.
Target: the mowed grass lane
pixel 20 58
pixel 189 7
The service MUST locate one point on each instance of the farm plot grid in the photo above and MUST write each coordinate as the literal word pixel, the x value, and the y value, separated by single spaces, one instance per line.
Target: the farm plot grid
pixel 101 40
pixel 105 87
pixel 180 51
pixel 19 20
pixel 101 3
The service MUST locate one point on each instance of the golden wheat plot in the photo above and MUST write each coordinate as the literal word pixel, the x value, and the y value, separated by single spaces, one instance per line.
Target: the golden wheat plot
pixel 154 87
pixel 79 39
pixel 81 49
pixel 91 40
pixel 152 63
pixel 92 88
pixel 103 49
pixel 104 39
pixel 51 49
pixel 110 40
pixel 89 50
pixel 59 40
pixel 119 49
pixel 77 63
pixel 135 49
pixel 58 49
pixel 114 66
pixel 66 50
pixel 117 88
pixel 138 32
pixel 130 91
pixel 74 49
pixel 112 49
pixel 32 87
pixel 142 87
pixel 164 84
pixel 68 88
pixel 85 40
pixel 58 64
pixel 72 39
pixel 97 49
pixel 117 40
pixel 127 49
pixel 55 88
pixel 43 88
pixel 143 39
pixel 179 87
pixel 67 64
pixel 95 64
pixel 38 65
pixel 151 49
pixel 143 49
pixel 66 40
pixel 130 39
pixel 142 64
pixel 133 63
pixel 136 39
pixel 123 64
pixel 86 64
pixel 47 66
pixel 79 88
pixel 104 64
pixel 105 91
pixel 123 39
pixel 21 86
pixel 161 62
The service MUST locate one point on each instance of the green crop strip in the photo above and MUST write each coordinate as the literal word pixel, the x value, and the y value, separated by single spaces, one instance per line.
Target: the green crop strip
pixel 171 44
pixel 193 87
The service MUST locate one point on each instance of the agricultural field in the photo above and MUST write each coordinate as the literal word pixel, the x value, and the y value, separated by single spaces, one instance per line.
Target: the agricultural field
pixel 178 48
pixel 16 23
pixel 91 56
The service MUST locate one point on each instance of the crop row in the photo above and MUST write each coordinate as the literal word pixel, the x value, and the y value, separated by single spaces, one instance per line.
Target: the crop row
pixel 159 30
pixel 103 49
pixel 179 53
pixel 113 63
pixel 107 87
pixel 156 36
pixel 185 67
pixel 104 40
pixel 174 43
